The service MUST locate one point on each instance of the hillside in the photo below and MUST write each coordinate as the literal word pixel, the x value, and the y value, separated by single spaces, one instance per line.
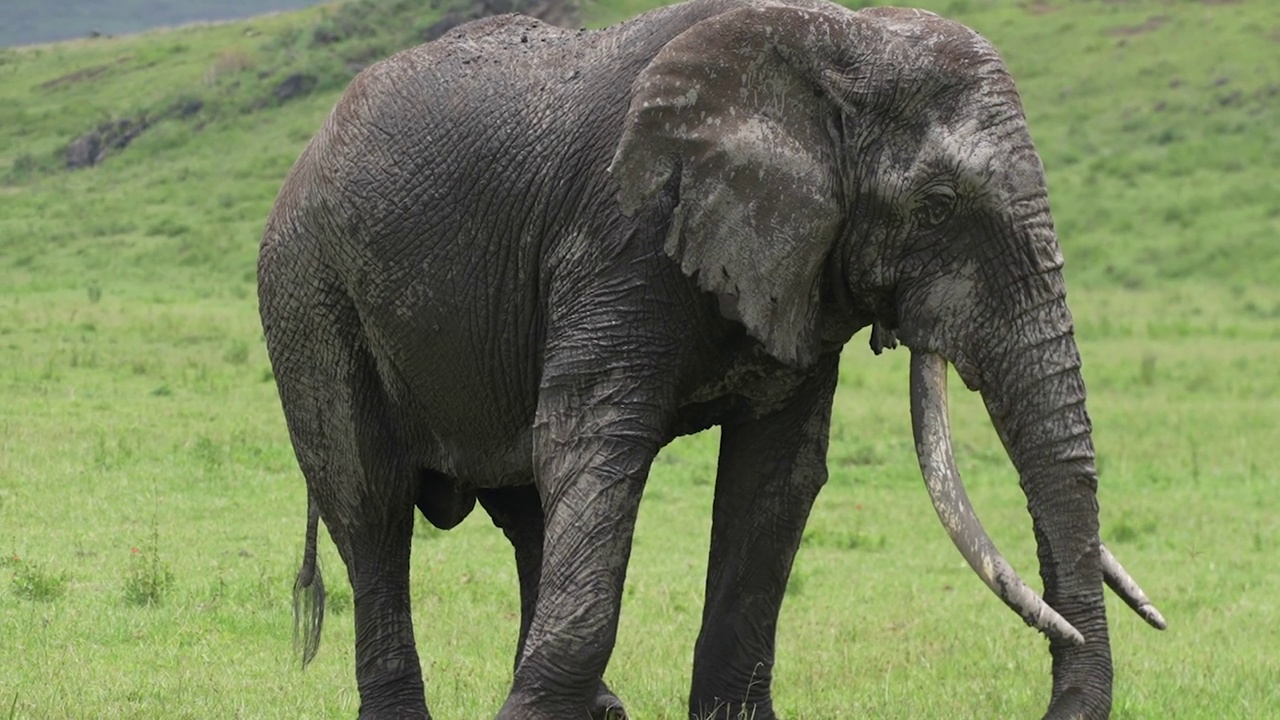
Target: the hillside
pixel 1156 122
pixel 23 22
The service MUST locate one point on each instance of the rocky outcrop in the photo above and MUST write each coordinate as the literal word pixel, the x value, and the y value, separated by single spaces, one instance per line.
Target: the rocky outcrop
pixel 91 147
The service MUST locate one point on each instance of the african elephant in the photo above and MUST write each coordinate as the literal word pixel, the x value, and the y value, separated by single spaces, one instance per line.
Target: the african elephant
pixel 516 262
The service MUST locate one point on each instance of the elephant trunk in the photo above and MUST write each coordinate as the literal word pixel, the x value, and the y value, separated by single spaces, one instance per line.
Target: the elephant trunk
pixel 1035 395
pixel 1037 404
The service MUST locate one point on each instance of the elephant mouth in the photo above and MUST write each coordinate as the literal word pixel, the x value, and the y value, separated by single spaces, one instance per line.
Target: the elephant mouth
pixel 885 322
pixel 931 427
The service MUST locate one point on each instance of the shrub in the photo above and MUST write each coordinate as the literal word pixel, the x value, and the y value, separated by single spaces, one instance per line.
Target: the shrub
pixel 148 579
pixel 32 581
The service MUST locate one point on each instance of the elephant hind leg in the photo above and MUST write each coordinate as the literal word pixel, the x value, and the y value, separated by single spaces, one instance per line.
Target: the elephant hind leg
pixel 359 479
pixel 517 511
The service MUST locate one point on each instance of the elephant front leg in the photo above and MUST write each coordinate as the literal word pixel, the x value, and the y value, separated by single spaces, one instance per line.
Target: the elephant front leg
pixel 517 511
pixel 593 449
pixel 770 472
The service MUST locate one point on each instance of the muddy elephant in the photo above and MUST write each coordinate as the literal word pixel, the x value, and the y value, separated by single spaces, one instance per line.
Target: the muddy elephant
pixel 516 262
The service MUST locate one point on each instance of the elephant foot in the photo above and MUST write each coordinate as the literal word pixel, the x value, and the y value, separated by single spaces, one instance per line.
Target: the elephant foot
pixel 607 706
pixel 394 713
pixel 394 700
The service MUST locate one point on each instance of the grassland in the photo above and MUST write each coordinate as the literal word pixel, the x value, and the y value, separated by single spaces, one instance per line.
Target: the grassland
pixel 151 512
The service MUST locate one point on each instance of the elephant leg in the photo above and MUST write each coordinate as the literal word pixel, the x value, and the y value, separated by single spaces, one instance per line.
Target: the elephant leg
pixel 339 421
pixel 388 673
pixel 598 427
pixel 770 472
pixel 517 511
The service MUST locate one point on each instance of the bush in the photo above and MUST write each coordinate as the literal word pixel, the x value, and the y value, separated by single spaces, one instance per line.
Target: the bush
pixel 32 581
pixel 147 580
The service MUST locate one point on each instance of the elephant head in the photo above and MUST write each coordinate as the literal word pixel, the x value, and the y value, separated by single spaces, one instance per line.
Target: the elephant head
pixel 837 168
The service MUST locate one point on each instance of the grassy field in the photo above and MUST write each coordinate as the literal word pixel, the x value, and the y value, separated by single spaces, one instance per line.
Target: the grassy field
pixel 151 512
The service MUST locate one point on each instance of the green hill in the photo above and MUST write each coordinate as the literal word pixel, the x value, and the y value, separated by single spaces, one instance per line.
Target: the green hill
pixel 190 132
pixel 1156 121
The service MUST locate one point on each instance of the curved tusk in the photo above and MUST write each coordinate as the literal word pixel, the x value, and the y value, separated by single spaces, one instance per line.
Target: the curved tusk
pixel 932 430
pixel 1120 581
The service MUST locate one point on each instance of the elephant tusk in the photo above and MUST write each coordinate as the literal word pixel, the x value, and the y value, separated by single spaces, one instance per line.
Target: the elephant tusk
pixel 931 426
pixel 1122 583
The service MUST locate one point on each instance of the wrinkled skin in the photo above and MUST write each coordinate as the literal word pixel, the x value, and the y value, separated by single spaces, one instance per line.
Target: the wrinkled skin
pixel 516 262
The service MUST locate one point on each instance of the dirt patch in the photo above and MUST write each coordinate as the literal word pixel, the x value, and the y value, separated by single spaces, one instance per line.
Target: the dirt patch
pixel 81 75
pixel 1231 99
pixel 296 85
pixel 1153 23
pixel 1040 7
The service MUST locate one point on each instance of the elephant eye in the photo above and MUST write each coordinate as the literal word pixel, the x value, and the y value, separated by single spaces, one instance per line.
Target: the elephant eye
pixel 935 207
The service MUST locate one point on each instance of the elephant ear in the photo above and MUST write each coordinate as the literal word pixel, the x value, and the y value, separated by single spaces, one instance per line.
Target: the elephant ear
pixel 734 105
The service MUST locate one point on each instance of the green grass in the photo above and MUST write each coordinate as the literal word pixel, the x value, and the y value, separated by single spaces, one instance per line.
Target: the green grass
pixel 151 512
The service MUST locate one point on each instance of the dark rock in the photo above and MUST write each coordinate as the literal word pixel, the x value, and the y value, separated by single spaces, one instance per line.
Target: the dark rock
pixel 189 107
pixel 122 132
pixel 296 85
pixel 84 150
pixel 325 36
pixel 90 148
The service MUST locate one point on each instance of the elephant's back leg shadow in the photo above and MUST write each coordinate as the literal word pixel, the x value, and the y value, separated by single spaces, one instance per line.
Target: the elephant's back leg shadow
pixel 442 499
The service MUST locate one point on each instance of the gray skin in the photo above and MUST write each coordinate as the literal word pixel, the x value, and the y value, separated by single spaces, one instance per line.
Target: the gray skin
pixel 516 262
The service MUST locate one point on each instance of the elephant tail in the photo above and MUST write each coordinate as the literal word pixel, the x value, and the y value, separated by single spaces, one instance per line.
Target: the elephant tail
pixel 308 592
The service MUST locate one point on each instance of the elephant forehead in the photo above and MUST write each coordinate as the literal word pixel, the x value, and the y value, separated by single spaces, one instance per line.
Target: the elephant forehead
pixel 981 155
pixel 968 146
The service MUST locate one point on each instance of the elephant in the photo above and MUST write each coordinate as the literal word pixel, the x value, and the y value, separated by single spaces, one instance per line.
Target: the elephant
pixel 516 262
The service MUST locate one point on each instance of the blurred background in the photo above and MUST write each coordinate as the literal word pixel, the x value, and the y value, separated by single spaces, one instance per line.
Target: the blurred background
pixel 25 22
